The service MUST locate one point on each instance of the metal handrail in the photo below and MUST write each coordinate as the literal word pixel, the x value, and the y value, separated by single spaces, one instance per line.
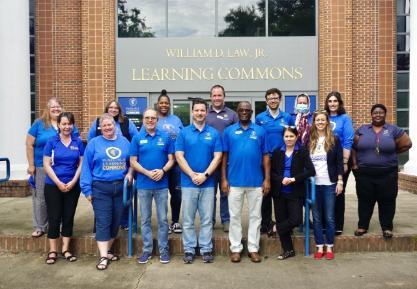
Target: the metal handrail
pixel 130 201
pixel 7 169
pixel 310 201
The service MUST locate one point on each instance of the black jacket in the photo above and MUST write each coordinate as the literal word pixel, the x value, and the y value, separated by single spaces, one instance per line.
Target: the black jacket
pixel 335 160
pixel 301 169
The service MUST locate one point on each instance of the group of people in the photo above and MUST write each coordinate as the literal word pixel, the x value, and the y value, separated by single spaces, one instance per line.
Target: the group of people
pixel 268 161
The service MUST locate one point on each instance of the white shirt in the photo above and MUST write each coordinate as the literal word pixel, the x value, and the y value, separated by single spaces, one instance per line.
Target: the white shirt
pixel 319 159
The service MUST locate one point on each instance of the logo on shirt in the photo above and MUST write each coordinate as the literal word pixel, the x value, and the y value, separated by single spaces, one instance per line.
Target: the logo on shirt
pixel 333 125
pixel 207 136
pixel 73 148
pixel 253 135
pixel 113 152
pixel 385 132
pixel 160 142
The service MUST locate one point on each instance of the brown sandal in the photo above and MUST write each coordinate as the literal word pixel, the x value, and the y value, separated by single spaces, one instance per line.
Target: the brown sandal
pixel 103 263
pixel 112 257
pixel 51 260
pixel 70 257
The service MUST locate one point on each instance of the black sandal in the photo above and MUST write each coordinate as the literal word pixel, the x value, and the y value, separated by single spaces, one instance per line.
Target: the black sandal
pixel 113 257
pixel 70 258
pixel 286 254
pixel 272 230
pixel 51 258
pixel 101 265
pixel 387 234
pixel 360 232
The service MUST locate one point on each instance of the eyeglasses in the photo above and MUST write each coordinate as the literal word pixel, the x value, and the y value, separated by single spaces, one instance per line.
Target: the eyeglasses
pixel 272 98
pixel 150 117
pixel 56 106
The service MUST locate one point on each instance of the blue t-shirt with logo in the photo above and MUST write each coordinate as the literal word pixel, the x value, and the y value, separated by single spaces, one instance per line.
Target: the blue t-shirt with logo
pixel 199 148
pixel 274 127
pixel 104 160
pixel 152 153
pixel 42 134
pixel 246 148
pixel 65 159
pixel 342 127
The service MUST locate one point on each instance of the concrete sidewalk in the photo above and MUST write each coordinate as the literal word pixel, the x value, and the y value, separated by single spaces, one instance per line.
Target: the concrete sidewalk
pixel 346 271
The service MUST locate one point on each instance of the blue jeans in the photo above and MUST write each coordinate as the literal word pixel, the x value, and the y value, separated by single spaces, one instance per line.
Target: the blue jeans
pixel 224 202
pixel 201 200
pixel 325 202
pixel 145 203
pixel 108 208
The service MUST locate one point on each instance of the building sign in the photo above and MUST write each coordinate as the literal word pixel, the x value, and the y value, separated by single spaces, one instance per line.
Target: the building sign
pixel 240 64
pixel 133 107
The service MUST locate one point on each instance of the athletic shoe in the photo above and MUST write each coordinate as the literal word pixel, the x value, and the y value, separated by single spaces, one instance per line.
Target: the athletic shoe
pixel 164 258
pixel 176 228
pixel 207 257
pixel 144 258
pixel 188 258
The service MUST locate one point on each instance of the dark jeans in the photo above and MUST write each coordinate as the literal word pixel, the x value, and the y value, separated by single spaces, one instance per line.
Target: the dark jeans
pixel 324 209
pixel 61 210
pixel 376 185
pixel 174 186
pixel 224 203
pixel 289 214
pixel 108 208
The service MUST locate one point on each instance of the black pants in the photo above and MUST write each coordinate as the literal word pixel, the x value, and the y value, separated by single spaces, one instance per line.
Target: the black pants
pixel 174 186
pixel 376 185
pixel 61 210
pixel 289 214
pixel 266 211
pixel 339 206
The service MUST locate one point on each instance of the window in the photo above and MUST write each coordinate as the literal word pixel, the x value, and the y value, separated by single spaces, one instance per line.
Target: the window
pixel 216 18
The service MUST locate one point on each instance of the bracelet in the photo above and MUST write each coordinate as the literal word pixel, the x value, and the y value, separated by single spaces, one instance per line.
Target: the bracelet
pixel 163 170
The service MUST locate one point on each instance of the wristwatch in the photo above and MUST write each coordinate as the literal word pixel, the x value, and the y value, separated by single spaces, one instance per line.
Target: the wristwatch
pixel 206 175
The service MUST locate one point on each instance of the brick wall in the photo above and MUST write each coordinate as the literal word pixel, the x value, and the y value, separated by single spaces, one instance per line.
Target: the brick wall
pixel 407 182
pixel 76 55
pixel 357 50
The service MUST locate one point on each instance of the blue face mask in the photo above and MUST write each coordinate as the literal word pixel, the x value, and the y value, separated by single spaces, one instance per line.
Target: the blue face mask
pixel 302 108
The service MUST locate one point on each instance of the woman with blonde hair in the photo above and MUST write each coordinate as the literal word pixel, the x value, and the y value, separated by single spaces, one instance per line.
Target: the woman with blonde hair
pixel 38 135
pixel 327 156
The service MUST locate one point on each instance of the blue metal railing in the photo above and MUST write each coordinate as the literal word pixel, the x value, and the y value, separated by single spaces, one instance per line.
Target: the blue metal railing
pixel 7 169
pixel 130 201
pixel 310 200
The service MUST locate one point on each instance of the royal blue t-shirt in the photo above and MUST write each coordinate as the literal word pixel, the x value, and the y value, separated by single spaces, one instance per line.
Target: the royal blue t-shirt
pixel 104 160
pixel 342 127
pixel 287 168
pixel 170 124
pixel 246 148
pixel 274 127
pixel 65 159
pixel 199 148
pixel 42 134
pixel 152 153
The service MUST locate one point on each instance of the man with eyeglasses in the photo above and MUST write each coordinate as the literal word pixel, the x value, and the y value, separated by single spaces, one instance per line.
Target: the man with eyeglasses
pixel 220 116
pixel 152 155
pixel 273 120
pixel 245 171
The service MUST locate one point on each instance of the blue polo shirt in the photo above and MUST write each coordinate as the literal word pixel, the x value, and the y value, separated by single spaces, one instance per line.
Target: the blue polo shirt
pixel 152 153
pixel 199 148
pixel 246 148
pixel 274 127
pixel 65 159
pixel 367 155
pixel 222 119
pixel 42 134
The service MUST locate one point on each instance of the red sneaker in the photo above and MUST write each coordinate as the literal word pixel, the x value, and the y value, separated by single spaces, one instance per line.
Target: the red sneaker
pixel 318 255
pixel 329 255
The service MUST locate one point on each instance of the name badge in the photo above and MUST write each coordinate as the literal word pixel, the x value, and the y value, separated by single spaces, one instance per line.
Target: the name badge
pixel 143 141
pixel 238 132
pixel 219 117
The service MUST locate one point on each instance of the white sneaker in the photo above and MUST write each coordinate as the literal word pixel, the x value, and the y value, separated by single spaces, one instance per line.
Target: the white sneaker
pixel 176 228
